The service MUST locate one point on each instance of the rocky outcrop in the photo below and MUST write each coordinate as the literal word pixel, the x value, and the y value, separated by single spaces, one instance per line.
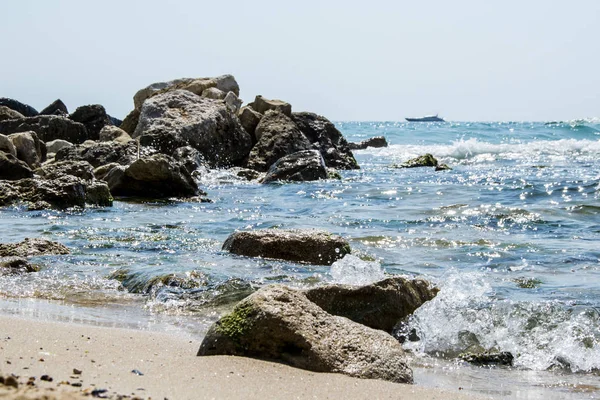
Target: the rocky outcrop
pixel 262 105
pixel 7 113
pixel 15 265
pixel 307 165
pixel 93 117
pixel 19 107
pixel 250 119
pixel 31 247
pixel 277 136
pixel 204 124
pixel 299 245
pixel 29 148
pixel 12 168
pixel 57 107
pixel 281 324
pixel 112 133
pixel 426 160
pixel 101 153
pixel 380 305
pixel 47 127
pixel 130 122
pixel 377 141
pixel 327 139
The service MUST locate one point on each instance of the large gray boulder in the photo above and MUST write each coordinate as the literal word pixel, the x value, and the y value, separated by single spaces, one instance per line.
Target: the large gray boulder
pixel 12 168
pixel 381 305
pixel 101 153
pixel 93 117
pixel 112 133
pixel 325 137
pixel 281 324
pixel 29 148
pixel 7 146
pixel 31 247
pixel 299 245
pixel 307 165
pixel 205 124
pixel 19 107
pixel 8 113
pixel 262 105
pixel 47 127
pixel 57 107
pixel 277 136
pixel 55 145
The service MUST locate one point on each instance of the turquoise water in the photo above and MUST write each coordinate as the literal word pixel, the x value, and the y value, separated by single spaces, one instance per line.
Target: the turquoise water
pixel 511 235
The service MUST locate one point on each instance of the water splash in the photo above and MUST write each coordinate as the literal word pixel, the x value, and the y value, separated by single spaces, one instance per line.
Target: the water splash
pixel 351 270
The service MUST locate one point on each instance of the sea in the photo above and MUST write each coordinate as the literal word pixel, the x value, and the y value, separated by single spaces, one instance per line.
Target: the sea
pixel 510 235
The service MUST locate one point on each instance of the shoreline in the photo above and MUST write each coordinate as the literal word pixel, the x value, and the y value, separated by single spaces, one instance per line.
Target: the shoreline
pixel 107 358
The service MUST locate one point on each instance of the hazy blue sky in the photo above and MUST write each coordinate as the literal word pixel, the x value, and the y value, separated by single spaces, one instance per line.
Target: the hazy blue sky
pixel 347 60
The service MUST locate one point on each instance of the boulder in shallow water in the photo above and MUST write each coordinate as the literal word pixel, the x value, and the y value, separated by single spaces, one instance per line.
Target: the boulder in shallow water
pixel 7 113
pixel 380 305
pixel 376 141
pixel 426 160
pixel 93 117
pixel 12 168
pixel 299 245
pixel 281 324
pixel 479 356
pixel 31 247
pixel 21 108
pixel 47 127
pixel 16 265
pixel 307 165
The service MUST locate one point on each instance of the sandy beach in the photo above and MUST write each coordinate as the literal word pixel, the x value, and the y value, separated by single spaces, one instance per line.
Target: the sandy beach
pixel 116 363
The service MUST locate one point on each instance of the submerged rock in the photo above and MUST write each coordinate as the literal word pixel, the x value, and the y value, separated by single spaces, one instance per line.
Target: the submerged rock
pixel 307 165
pixel 307 245
pixel 31 247
pixel 377 141
pixel 281 324
pixel 16 265
pixel 380 305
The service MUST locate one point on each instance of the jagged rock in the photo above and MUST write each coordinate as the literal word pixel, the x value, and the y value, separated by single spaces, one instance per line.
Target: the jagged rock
pixel 7 146
pixel 8 113
pixel 162 142
pixel 442 167
pixel 57 107
pixel 278 136
pixel 79 169
pixel 16 265
pixel 426 160
pixel 262 105
pixel 281 324
pixel 307 165
pixel 377 141
pixel 54 146
pixel 479 356
pixel 299 245
pixel 214 93
pixel 249 119
pixel 19 107
pixel 130 122
pixel 380 305
pixel 205 124
pixel 31 247
pixel 100 153
pixel 112 133
pixel 94 118
pixel 327 139
pixel 12 168
pixel 47 127
pixel 189 157
pixel 29 148
pixel 233 102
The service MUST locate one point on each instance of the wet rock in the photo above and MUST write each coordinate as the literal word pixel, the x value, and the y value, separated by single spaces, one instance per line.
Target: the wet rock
pixel 248 174
pixel 277 136
pixel 327 139
pixel 47 127
pixel 281 324
pixel 262 105
pixel 380 305
pixel 7 113
pixel 93 117
pixel 163 142
pixel 426 160
pixel 130 122
pixel 307 165
pixel 204 124
pixel 79 169
pixel 19 107
pixel 100 153
pixel 442 167
pixel 12 168
pixel 307 245
pixel 57 107
pixel 16 265
pixel 377 141
pixel 54 146
pixel 31 247
pixel 189 157
pixel 249 119
pixel 112 133
pixel 489 357
pixel 29 148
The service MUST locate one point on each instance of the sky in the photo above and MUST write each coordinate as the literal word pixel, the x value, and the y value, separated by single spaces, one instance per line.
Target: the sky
pixel 526 60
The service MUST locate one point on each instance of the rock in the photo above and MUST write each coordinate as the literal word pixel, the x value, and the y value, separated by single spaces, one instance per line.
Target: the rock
pixel 19 107
pixel 47 127
pixel 7 146
pixel 15 265
pixel 32 247
pixel 112 133
pixel 189 157
pixel 377 141
pixel 163 142
pixel 307 245
pixel 156 176
pixel 115 121
pixel 307 165
pixel 280 324
pixel 79 169
pixel 214 93
pixel 57 107
pixel 12 168
pixel 100 153
pixel 277 136
pixel 102 171
pixel 143 94
pixel 8 113
pixel 54 146
pixel 233 102
pixel 426 160
pixel 262 105
pixel 205 124
pixel 248 174
pixel 442 167
pixel 327 139
pixel 380 305
pixel 130 122
pixel 249 119
pixel 97 193
pixel 93 117
pixel 29 148
pixel 487 357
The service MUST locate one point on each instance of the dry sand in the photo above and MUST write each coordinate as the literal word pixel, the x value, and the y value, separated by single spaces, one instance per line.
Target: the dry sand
pixel 97 358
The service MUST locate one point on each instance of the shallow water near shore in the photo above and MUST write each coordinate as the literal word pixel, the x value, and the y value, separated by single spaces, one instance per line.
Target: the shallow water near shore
pixel 510 235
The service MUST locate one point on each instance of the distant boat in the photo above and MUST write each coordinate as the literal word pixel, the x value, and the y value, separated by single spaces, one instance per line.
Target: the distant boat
pixel 427 118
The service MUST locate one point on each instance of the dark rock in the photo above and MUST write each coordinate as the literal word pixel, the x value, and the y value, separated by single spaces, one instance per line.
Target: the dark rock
pixel 248 174
pixel 189 157
pixel 32 247
pixel 250 119
pixel 115 121
pixel 442 167
pixel 281 324
pixel 47 127
pixel 164 142
pixel 277 136
pixel 12 168
pixel 94 118
pixel 19 107
pixel 307 165
pixel 7 146
pixel 307 245
pixel 57 107
pixel 7 113
pixel 327 139
pixel 426 160
pixel 130 122
pixel 377 141
pixel 380 305
pixel 262 105
pixel 16 265
pixel 205 124
pixel 79 169
pixel 101 153
pixel 111 133
pixel 29 148
pixel 490 357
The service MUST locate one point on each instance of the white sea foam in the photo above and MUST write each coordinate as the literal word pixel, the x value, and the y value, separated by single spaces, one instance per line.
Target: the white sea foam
pixel 351 270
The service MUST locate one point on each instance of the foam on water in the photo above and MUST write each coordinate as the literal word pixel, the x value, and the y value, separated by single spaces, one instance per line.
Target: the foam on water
pixel 351 270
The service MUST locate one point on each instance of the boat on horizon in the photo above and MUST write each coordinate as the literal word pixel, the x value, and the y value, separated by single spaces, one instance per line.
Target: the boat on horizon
pixel 427 118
